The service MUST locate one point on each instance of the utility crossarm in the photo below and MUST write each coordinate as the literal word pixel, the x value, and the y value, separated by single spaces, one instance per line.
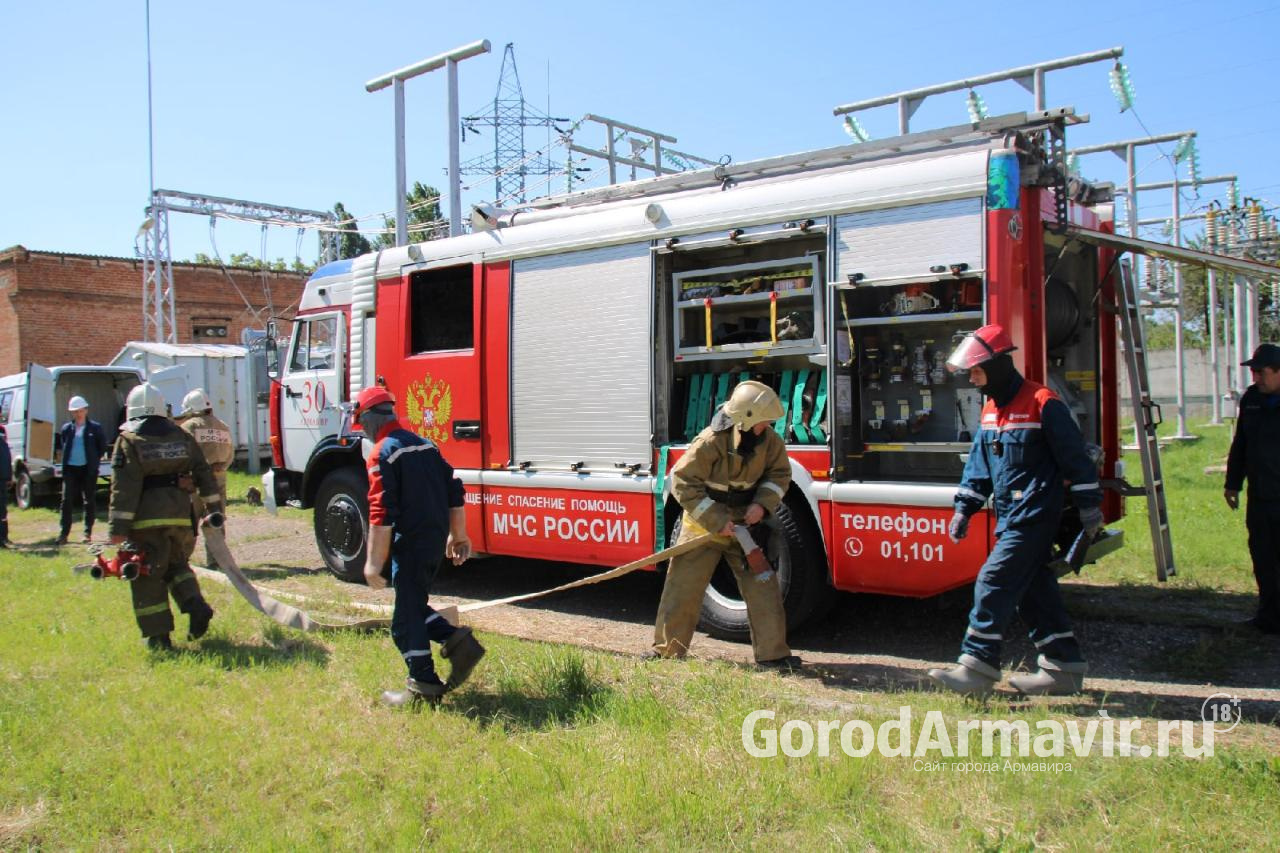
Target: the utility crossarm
pixel 1030 77
pixel 267 214
pixel 655 142
pixel 942 138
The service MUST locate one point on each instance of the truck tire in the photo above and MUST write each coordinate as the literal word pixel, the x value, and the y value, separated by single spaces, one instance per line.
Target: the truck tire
pixel 340 515
pixel 24 491
pixel 795 550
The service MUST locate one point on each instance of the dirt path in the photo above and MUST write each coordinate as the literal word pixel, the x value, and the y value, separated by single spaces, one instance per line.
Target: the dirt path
pixel 1152 652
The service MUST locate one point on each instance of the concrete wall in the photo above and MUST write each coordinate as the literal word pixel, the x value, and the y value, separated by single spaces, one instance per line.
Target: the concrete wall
pixel 1163 372
pixel 59 308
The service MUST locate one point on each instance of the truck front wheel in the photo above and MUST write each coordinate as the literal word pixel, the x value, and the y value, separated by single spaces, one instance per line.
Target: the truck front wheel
pixel 341 511
pixel 795 551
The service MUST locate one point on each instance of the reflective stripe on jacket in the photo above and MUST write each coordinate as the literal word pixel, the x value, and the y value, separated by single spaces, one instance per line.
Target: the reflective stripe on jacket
pixel 155 447
pixel 712 463
pixel 412 488
pixel 1024 454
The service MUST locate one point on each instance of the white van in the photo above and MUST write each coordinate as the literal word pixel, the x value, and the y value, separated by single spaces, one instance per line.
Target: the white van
pixel 33 406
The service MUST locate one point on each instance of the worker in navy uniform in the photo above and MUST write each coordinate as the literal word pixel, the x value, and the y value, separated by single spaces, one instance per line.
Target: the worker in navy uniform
pixel 1026 452
pixel 416 517
pixel 152 459
pixel 736 471
pixel 1255 456
pixel 83 444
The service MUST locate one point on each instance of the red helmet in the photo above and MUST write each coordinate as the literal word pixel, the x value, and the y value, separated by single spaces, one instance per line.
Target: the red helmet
pixel 980 347
pixel 368 398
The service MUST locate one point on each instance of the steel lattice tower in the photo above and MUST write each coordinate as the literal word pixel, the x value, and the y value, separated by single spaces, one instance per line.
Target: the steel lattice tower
pixel 510 163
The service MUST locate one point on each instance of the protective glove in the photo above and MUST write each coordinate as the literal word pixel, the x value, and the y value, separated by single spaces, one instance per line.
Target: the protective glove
pixel 1091 520
pixel 959 527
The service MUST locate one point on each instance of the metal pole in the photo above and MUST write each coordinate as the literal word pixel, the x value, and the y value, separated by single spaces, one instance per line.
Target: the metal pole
pixel 1215 388
pixel 1251 312
pixel 251 422
pixel 455 176
pixel 1178 361
pixel 1242 378
pixel 402 212
pixel 396 79
pixel 1038 88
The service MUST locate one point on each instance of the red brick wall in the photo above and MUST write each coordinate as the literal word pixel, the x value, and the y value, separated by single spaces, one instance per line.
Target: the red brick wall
pixel 75 309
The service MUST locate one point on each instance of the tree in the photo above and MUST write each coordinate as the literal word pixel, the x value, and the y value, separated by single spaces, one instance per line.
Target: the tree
pixel 424 219
pixel 351 243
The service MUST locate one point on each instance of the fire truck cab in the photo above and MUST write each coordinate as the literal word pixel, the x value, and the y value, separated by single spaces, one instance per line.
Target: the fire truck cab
pixel 562 357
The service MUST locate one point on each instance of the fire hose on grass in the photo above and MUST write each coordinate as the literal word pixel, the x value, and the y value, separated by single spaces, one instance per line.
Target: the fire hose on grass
pixel 130 561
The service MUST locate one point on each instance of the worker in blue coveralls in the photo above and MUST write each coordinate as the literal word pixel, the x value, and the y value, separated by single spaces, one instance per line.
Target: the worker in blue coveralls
pixel 417 517
pixel 1028 452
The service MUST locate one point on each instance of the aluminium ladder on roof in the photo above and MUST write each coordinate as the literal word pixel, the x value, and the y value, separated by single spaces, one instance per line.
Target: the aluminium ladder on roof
pixel 1146 417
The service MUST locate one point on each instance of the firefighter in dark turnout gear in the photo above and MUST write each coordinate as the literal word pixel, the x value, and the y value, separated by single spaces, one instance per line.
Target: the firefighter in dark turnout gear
pixel 151 510
pixel 1255 456
pixel 417 517
pixel 1026 451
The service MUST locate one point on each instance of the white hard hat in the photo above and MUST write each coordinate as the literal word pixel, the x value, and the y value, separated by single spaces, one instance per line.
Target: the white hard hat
pixel 752 403
pixel 76 403
pixel 195 402
pixel 145 400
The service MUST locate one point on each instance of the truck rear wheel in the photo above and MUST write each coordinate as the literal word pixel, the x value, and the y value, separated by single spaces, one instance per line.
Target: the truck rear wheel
pixel 24 491
pixel 795 550
pixel 341 510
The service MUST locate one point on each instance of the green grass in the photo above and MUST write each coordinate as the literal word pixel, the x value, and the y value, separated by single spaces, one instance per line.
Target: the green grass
pixel 263 738
pixel 1209 540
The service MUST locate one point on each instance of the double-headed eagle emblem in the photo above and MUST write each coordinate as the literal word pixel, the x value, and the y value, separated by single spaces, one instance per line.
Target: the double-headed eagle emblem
pixel 429 405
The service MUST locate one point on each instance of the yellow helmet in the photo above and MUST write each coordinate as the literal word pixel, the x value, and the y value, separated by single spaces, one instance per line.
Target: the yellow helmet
pixel 752 403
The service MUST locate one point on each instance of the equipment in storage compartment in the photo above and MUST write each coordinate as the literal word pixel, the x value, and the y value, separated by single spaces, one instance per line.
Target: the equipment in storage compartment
pixel 748 306
pixel 581 359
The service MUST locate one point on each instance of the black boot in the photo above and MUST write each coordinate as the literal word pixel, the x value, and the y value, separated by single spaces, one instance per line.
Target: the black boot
pixel 200 614
pixel 415 693
pixel 161 643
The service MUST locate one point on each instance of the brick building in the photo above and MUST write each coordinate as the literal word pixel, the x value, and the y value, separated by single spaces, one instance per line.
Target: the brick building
pixel 62 308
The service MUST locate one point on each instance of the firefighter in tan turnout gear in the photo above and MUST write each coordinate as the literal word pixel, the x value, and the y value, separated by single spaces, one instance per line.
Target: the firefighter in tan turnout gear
pixel 214 437
pixel 734 473
pixel 153 512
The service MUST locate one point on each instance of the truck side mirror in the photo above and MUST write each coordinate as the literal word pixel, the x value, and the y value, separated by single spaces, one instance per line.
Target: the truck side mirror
pixel 272 352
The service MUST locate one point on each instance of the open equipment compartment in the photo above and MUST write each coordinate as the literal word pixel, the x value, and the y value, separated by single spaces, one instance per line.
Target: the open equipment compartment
pixel 748 306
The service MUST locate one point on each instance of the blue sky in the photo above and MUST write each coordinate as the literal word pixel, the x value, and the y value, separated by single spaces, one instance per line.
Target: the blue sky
pixel 265 100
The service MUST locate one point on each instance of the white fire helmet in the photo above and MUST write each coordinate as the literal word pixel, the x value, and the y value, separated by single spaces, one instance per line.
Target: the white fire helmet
pixel 196 402
pixel 145 400
pixel 77 403
pixel 752 403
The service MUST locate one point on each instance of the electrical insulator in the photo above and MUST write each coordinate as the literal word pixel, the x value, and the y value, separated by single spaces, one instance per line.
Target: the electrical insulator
pixel 856 131
pixel 1210 226
pixel 1121 86
pixel 1233 195
pixel 977 106
pixel 1149 274
pixel 1255 221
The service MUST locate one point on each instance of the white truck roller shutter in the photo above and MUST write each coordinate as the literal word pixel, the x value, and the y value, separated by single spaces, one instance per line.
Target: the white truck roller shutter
pixel 907 241
pixel 581 350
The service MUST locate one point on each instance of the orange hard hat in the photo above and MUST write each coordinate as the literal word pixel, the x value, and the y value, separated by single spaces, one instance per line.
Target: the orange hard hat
pixel 979 347
pixel 368 398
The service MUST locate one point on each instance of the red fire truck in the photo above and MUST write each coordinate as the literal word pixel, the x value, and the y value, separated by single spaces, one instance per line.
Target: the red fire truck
pixel 564 355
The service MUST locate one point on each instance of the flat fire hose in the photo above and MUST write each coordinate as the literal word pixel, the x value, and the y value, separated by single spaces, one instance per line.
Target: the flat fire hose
pixel 287 615
pixel 292 617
